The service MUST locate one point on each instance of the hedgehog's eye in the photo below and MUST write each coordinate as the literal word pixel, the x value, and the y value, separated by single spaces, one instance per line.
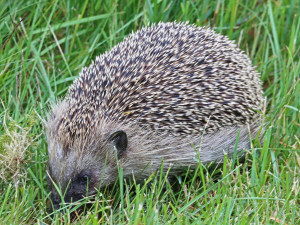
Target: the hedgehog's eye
pixel 83 179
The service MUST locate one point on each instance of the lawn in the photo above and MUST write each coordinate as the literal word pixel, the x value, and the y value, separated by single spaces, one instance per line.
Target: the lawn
pixel 44 45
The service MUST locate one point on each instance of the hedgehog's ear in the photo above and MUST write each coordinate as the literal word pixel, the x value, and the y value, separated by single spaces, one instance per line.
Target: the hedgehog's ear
pixel 119 141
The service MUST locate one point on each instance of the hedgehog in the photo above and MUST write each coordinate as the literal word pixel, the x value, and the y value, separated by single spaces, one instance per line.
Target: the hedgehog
pixel 170 95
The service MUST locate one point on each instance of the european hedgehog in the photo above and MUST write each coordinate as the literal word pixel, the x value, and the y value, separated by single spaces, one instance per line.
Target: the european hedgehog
pixel 172 93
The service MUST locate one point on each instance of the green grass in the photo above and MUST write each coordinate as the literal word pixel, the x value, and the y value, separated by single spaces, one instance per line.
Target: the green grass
pixel 43 54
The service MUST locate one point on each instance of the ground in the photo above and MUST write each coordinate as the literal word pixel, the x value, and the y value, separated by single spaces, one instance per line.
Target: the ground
pixel 44 45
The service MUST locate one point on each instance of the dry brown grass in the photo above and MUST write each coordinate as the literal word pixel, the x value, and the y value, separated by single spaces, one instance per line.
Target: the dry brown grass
pixel 14 145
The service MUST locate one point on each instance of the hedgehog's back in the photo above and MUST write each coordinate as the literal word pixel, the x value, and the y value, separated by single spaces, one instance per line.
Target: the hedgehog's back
pixel 174 78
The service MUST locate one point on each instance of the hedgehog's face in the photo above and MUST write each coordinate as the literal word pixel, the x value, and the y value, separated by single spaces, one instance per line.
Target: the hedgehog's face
pixel 80 171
